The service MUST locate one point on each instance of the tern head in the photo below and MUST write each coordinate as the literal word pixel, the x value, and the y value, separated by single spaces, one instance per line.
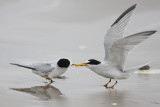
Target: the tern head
pixel 90 62
pixel 63 63
pixel 93 62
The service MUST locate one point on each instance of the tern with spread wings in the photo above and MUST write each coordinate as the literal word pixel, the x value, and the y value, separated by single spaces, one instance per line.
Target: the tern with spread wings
pixel 116 50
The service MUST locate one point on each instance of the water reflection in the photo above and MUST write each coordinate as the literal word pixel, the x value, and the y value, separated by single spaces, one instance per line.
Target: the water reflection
pixel 43 92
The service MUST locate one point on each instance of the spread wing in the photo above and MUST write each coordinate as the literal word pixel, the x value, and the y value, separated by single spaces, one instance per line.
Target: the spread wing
pixel 121 47
pixel 116 30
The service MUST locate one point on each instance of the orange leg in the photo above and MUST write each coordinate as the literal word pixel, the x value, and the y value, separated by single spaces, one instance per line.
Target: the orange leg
pixel 51 81
pixel 113 85
pixel 106 85
pixel 47 86
pixel 47 78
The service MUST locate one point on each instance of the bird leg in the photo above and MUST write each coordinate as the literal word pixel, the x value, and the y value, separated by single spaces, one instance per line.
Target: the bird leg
pixel 51 81
pixel 47 86
pixel 47 78
pixel 113 85
pixel 106 85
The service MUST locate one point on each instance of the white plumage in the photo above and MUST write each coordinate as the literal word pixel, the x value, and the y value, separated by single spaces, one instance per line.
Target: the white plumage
pixel 116 50
pixel 48 70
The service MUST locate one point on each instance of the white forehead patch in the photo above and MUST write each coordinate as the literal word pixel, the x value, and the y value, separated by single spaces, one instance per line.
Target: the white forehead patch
pixel 87 61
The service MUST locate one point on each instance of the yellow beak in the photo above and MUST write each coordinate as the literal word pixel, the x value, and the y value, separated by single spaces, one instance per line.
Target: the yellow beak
pixel 81 64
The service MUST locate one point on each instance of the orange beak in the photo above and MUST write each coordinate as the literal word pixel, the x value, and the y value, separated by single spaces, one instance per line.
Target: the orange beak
pixel 81 64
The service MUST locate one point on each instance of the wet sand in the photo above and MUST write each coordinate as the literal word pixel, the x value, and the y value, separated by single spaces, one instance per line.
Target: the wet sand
pixel 46 31
pixel 80 88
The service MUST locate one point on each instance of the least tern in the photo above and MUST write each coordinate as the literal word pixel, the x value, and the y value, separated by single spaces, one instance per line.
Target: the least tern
pixel 48 70
pixel 116 50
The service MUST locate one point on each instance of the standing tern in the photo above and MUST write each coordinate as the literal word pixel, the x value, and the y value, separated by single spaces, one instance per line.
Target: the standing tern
pixel 116 50
pixel 48 70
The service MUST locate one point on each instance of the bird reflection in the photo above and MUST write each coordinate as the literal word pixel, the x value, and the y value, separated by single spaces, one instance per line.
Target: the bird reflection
pixel 43 92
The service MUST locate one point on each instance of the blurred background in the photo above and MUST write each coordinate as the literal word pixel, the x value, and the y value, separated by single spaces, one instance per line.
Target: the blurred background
pixel 45 30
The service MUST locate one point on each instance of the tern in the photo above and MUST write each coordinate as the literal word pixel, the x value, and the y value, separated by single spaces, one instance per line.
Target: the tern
pixel 116 50
pixel 48 70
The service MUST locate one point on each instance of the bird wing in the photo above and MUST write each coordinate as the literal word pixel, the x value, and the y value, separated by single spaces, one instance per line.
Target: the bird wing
pixel 24 66
pixel 116 30
pixel 44 67
pixel 121 47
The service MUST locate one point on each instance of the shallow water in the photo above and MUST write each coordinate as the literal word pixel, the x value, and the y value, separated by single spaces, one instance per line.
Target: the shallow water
pixel 79 88
pixel 34 31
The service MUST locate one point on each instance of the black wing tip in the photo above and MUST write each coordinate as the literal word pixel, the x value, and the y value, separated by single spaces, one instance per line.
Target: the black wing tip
pixel 151 32
pixel 154 31
pixel 148 33
pixel 132 7
pixel 124 13
pixel 22 66
pixel 12 63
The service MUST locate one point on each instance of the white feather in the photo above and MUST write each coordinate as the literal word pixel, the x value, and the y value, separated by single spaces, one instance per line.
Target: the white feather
pixel 116 31
pixel 120 48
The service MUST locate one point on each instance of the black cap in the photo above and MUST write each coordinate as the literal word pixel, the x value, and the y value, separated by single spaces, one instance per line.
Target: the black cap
pixel 93 62
pixel 63 63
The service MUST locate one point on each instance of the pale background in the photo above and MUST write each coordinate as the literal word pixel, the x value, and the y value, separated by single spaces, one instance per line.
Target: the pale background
pixel 42 30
